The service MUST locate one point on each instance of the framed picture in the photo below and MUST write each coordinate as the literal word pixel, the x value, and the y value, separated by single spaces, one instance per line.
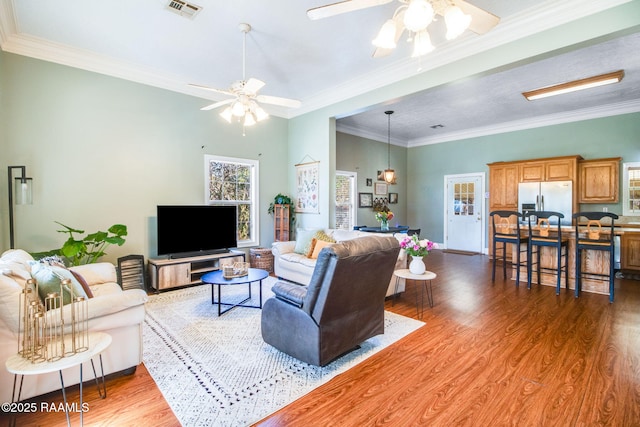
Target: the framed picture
pixel 365 200
pixel 307 188
pixel 393 198
pixel 369 182
pixel 380 188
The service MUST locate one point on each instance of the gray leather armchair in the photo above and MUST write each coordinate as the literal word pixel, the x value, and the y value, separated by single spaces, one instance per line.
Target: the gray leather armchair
pixel 342 306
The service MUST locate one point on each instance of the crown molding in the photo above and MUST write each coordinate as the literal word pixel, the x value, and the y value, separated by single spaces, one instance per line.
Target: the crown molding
pixel 363 133
pixel 547 15
pixel 534 122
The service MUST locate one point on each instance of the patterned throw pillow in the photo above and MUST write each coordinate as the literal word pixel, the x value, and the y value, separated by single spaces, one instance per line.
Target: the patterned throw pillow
pixel 321 235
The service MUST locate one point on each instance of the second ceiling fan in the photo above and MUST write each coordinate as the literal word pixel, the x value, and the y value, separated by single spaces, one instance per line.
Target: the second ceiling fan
pixel 244 100
pixel 415 16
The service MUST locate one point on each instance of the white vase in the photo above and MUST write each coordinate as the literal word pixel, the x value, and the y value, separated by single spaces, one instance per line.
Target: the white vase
pixel 416 266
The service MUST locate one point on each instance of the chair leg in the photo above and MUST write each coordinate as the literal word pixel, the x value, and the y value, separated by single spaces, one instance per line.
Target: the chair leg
pixel 538 264
pixel 578 272
pixel 504 261
pixel 518 266
pixel 495 255
pixel 611 274
pixel 529 266
pixel 558 269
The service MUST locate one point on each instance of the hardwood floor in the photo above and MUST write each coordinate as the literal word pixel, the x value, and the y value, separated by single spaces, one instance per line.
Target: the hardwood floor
pixel 489 354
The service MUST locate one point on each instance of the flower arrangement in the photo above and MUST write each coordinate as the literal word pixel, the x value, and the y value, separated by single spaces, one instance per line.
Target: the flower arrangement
pixel 416 247
pixel 384 216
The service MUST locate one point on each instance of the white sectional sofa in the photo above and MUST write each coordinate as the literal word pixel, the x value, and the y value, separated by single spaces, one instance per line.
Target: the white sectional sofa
pixel 296 267
pixel 112 310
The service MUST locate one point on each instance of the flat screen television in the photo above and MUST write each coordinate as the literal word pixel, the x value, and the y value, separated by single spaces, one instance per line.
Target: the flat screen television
pixel 196 230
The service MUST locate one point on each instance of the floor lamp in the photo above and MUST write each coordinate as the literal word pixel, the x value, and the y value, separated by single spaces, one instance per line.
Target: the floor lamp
pixel 24 195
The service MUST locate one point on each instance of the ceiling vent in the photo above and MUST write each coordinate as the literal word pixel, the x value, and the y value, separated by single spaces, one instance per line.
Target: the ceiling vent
pixel 183 8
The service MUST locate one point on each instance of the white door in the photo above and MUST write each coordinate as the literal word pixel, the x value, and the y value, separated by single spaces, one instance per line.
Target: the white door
pixel 464 229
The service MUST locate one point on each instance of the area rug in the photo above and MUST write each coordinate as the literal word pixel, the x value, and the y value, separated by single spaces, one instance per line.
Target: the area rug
pixel 217 371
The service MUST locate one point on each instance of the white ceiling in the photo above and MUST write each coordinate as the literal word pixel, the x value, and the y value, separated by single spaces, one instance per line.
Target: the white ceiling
pixel 323 62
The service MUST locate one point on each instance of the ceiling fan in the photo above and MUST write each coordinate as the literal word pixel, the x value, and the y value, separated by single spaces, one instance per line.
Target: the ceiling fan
pixel 243 103
pixel 415 16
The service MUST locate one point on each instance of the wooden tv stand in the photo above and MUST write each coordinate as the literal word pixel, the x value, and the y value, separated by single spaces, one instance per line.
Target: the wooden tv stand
pixel 174 272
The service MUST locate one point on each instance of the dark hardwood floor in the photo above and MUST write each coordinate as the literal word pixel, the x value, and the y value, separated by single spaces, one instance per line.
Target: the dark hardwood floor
pixel 490 354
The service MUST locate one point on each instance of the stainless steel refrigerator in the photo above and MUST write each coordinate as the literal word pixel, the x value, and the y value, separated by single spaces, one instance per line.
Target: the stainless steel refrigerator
pixel 547 196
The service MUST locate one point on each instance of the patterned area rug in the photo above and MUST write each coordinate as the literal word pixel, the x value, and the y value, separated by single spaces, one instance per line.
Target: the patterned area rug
pixel 217 371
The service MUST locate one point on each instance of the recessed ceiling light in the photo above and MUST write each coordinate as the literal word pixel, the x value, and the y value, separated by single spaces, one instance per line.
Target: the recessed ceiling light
pixel 589 82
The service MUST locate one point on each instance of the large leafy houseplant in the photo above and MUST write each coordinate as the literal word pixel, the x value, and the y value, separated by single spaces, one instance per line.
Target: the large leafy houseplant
pixel 86 250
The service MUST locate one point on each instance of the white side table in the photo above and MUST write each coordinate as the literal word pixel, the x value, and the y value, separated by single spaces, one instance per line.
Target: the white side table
pixel 425 278
pixel 98 342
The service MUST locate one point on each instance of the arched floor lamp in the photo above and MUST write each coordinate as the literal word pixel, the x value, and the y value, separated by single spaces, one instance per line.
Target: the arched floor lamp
pixel 24 195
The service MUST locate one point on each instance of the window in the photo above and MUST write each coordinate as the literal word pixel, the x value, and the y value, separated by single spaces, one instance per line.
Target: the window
pixel 232 181
pixel 631 189
pixel 345 200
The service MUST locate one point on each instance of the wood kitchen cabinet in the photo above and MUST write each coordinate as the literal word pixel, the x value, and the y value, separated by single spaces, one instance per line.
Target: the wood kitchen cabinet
pixel 503 186
pixel 599 180
pixel 553 169
pixel 630 251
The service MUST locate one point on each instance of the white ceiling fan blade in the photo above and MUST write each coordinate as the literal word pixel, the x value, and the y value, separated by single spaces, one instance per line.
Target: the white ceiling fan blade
pixel 217 104
pixel 226 92
pixel 283 102
pixel 253 85
pixel 342 7
pixel 380 52
pixel 481 20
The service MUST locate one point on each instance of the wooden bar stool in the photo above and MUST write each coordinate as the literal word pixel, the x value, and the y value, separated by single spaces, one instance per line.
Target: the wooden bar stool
pixel 591 236
pixel 506 230
pixel 545 231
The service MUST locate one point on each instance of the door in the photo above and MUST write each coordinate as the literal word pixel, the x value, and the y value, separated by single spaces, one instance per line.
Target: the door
pixel 345 200
pixel 464 225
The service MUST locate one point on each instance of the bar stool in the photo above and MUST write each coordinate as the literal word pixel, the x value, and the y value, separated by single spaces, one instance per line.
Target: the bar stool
pixel 506 230
pixel 590 236
pixel 541 234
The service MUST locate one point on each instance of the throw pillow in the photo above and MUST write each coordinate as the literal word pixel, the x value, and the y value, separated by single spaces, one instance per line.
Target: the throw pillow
pixel 303 240
pixel 321 235
pixel 318 247
pixel 311 246
pixel 49 278
pixel 83 283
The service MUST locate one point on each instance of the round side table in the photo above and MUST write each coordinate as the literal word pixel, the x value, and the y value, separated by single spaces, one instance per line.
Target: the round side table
pixel 425 278
pixel 98 342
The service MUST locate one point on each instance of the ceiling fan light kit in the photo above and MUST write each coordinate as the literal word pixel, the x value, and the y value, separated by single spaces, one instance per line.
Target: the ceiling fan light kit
pixel 243 106
pixel 415 16
pixel 575 85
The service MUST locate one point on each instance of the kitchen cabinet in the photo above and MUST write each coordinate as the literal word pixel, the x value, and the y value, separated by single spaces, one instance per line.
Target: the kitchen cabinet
pixel 599 180
pixel 553 169
pixel 503 186
pixel 630 251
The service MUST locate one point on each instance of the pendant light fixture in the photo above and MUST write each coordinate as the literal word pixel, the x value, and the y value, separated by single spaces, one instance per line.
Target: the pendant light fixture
pixel 389 174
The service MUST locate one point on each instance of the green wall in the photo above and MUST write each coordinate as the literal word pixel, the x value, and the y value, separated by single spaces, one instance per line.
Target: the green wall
pixel 617 136
pixel 366 157
pixel 102 150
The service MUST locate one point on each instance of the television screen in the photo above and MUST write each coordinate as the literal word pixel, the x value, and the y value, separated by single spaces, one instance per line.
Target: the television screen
pixel 194 230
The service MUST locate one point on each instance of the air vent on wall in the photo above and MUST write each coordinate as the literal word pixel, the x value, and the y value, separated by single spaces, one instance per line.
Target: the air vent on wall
pixel 182 8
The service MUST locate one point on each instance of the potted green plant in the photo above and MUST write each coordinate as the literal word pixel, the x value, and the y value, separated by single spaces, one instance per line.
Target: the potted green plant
pixel 86 250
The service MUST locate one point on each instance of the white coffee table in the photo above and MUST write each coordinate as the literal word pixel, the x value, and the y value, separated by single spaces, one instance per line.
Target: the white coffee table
pixel 98 342
pixel 425 278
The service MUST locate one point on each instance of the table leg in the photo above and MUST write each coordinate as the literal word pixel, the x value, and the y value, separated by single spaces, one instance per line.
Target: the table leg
pixel 429 293
pixel 395 291
pixel 260 284
pixel 64 397
pixel 81 411
pixel 102 389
